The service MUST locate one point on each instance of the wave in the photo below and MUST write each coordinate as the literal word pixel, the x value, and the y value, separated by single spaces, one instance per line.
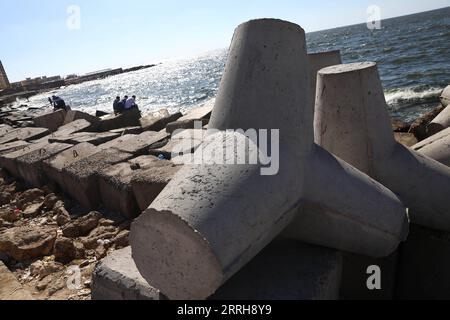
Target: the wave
pixel 413 95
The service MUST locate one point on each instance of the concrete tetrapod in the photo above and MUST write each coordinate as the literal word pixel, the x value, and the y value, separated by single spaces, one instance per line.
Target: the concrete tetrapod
pixel 352 122
pixel 436 147
pixel 212 219
pixel 318 61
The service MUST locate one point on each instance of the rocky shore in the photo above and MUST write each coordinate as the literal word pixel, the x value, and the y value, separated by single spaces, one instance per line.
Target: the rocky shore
pixel 72 183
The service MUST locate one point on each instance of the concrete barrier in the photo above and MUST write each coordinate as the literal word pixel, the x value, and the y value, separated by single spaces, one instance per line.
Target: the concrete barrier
pixel 24 134
pixel 30 165
pixel 158 120
pixel 285 270
pixel 74 115
pixel 12 146
pixel 183 143
pixel 211 220
pixel 8 161
pixel 436 147
pixel 81 177
pixel 129 118
pixel 115 185
pixel 51 121
pixel 54 166
pixel 352 122
pixel 319 61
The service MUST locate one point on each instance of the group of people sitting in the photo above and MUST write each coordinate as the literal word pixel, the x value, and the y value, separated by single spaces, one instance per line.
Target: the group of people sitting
pixel 58 104
pixel 125 104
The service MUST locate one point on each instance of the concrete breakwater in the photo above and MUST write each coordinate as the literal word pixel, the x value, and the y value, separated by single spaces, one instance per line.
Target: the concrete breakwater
pixel 74 183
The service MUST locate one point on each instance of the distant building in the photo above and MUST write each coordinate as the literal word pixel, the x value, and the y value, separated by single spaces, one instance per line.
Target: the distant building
pixel 4 82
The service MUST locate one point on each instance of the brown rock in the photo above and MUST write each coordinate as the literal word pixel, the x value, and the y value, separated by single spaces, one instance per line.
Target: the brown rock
pixel 101 234
pixel 419 127
pixel 82 226
pixel 399 125
pixel 23 243
pixel 122 239
pixel 62 216
pixel 10 288
pixel 33 210
pixel 30 196
pixel 407 139
pixel 65 250
pixel 5 198
pixel 101 252
pixel 50 201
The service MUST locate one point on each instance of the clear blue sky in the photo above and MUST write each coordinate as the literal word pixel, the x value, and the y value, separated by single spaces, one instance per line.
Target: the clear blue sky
pixel 35 39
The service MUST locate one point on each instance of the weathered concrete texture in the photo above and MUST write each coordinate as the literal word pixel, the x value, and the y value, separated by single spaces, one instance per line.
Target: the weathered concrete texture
pixel 53 166
pixel 139 144
pixel 25 134
pixel 406 139
pixel 445 97
pixel 74 115
pixel 355 277
pixel 319 61
pixel 12 146
pixel 30 164
pixel 116 188
pixel 128 130
pixel 4 129
pixel 73 127
pixel 441 122
pixel 129 118
pixel 285 270
pixel 420 126
pixel 185 124
pixel 436 147
pixel 185 142
pixel 424 265
pixel 92 138
pixel 117 278
pixel 148 184
pixel 51 121
pixel 202 113
pixel 8 161
pixel 10 288
pixel 158 120
pixel 361 134
pixel 81 177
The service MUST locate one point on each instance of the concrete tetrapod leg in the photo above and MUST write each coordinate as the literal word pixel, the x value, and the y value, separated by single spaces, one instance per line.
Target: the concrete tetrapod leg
pixel 441 122
pixel 319 61
pixel 436 147
pixel 212 219
pixel 352 122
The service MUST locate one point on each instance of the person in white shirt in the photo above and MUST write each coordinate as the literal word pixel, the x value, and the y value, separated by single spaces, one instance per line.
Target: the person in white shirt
pixel 131 103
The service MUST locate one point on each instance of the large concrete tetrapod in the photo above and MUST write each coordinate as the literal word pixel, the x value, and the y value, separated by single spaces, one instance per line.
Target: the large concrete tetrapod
pixel 316 62
pixel 211 220
pixel 352 122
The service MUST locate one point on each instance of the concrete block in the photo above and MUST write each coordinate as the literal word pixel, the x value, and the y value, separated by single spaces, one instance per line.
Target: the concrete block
pixel 30 164
pixel 158 120
pixel 128 130
pixel 185 124
pixel 285 270
pixel 25 134
pixel 149 183
pixel 81 177
pixel 139 144
pixel 186 142
pixel 13 146
pixel 53 166
pixel 129 118
pixel 424 263
pixel 202 113
pixel 8 161
pixel 10 287
pixel 51 121
pixel 355 276
pixel 92 138
pixel 4 129
pixel 74 115
pixel 73 127
pixel 116 188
